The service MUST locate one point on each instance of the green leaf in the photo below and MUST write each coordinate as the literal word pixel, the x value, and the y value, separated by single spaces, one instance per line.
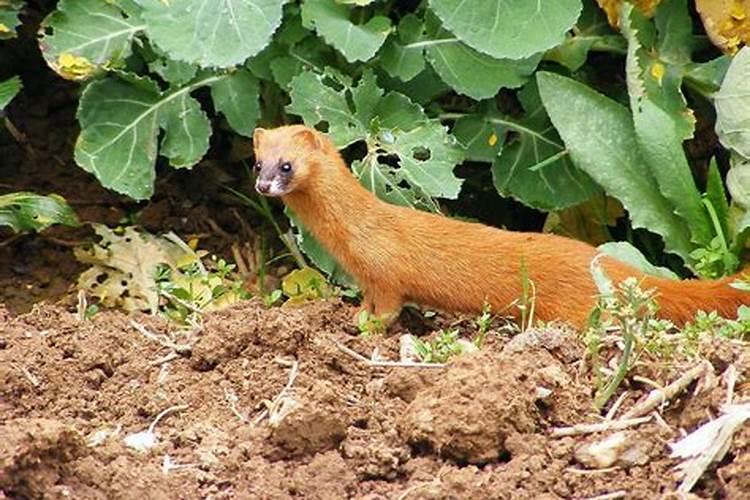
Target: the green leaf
pixel 738 183
pixel 558 183
pixel 600 137
pixel 511 29
pixel 591 30
pixel 481 138
pixel 9 21
pixel 423 88
pixel 628 254
pixel 733 105
pixel 402 55
pixel 120 119
pixel 83 37
pixel 472 73
pixel 409 158
pixel 174 72
pixel 649 74
pixel 322 98
pixel 707 77
pixel 661 145
pixel 358 42
pixel 675 28
pixel 9 89
pixel 32 212
pixel 236 97
pixel 716 195
pixel 217 33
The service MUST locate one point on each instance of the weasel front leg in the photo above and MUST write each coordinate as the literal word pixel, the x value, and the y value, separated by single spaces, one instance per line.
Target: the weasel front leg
pixel 382 306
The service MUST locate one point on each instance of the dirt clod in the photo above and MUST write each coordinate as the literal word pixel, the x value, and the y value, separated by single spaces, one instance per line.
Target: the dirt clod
pixel 468 414
pixel 32 453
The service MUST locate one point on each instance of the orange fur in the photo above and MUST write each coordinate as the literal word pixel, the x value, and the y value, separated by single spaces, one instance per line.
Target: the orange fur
pixel 398 254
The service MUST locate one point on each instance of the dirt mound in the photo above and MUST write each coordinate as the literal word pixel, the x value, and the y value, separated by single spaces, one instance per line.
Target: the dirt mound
pixel 266 405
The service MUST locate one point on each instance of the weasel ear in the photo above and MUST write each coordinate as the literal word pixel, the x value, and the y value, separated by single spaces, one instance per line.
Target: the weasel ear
pixel 309 137
pixel 258 135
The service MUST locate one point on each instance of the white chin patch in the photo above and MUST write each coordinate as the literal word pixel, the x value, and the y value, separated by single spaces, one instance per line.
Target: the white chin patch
pixel 277 188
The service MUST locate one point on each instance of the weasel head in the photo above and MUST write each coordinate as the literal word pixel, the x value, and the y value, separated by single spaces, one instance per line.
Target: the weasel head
pixel 287 158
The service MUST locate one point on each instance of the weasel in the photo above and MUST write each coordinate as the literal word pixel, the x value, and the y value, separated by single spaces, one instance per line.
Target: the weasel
pixel 399 254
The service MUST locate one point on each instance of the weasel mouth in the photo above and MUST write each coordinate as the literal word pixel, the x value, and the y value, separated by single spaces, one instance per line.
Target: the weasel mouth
pixel 270 188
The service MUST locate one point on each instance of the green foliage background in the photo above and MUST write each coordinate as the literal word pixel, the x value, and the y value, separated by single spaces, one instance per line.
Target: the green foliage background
pixel 564 113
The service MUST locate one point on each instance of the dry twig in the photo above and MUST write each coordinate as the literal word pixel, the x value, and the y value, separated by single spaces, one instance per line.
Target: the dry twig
pixel 391 364
pixel 608 425
pixel 660 396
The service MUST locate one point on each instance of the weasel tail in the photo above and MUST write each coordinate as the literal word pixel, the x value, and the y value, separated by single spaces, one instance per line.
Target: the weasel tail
pixel 398 254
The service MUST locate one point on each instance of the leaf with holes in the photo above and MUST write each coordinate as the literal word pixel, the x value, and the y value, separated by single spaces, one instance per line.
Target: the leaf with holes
pixel 83 37
pixel 33 212
pixel 358 42
pixel 420 151
pixel 511 29
pixel 217 33
pixel 120 119
pixel 534 167
pixel 319 98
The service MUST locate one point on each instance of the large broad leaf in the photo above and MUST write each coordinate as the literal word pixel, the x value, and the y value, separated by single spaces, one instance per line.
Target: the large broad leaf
pixel 8 90
pixel 472 73
pixel 358 42
pixel 534 167
pixel 236 97
pixel 211 33
pixel 9 21
pixel 120 119
pixel 658 132
pixel 508 28
pixel 393 128
pixel 733 105
pixel 661 145
pixel 32 212
pixel 600 137
pixel 82 37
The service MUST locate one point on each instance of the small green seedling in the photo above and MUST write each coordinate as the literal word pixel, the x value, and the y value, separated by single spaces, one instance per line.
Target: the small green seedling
pixel 443 347
pixel 630 309
pixel 269 299
pixel 370 324
pixel 483 323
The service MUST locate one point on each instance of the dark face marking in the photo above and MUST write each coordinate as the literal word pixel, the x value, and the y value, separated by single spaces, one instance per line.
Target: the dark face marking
pixel 274 180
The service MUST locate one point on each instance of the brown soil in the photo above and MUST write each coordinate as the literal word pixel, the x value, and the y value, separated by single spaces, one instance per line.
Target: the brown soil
pixel 71 391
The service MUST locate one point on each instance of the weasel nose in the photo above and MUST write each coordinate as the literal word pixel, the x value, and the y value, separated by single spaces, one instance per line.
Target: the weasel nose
pixel 262 187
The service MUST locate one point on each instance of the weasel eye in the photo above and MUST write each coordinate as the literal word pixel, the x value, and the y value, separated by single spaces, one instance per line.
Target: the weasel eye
pixel 286 167
pixel 257 166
